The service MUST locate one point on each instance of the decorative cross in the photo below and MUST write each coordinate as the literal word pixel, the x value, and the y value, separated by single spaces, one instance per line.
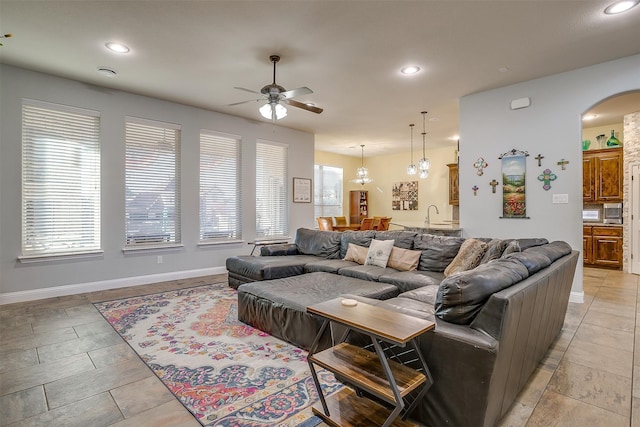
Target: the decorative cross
pixel 493 184
pixel 546 177
pixel 480 164
pixel 539 158
pixel 562 163
pixel 475 190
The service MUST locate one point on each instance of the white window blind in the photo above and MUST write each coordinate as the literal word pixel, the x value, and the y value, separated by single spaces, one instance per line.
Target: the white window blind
pixel 60 180
pixel 327 190
pixel 272 207
pixel 220 187
pixel 152 183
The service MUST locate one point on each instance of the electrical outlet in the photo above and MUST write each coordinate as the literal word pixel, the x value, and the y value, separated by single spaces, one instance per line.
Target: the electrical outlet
pixel 159 259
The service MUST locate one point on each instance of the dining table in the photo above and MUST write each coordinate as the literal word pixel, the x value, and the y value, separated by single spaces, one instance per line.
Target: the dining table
pixel 350 227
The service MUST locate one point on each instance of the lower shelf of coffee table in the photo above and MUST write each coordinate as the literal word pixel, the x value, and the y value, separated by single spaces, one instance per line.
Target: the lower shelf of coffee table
pixel 349 410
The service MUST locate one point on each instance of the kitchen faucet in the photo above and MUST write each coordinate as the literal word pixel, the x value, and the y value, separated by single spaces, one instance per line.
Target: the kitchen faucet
pixel 427 220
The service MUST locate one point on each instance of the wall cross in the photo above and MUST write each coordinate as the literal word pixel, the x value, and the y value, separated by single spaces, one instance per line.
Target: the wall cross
pixel 493 183
pixel 539 158
pixel 562 163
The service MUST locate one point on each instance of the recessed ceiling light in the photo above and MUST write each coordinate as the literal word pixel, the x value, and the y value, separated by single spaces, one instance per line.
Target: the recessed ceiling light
pixel 588 117
pixel 621 6
pixel 117 47
pixel 107 72
pixel 411 69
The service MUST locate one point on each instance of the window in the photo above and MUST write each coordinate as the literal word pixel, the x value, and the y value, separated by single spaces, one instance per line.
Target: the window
pixel 272 207
pixel 60 180
pixel 152 184
pixel 327 190
pixel 220 212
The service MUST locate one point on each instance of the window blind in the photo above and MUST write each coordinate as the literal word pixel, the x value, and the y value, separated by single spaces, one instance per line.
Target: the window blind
pixel 60 179
pixel 272 207
pixel 152 183
pixel 220 187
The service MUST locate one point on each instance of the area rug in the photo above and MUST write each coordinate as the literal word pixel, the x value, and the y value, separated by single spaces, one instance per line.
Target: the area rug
pixel 226 373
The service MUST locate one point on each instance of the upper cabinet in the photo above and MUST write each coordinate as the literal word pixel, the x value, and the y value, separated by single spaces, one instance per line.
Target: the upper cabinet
pixel 602 175
pixel 453 184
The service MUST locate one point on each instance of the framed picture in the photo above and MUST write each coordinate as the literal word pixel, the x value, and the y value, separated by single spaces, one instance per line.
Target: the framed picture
pixel 301 190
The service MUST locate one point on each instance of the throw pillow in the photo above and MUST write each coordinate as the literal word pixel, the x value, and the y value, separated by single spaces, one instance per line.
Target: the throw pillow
pixel 494 250
pixel 379 252
pixel 404 259
pixel 356 253
pixel 469 256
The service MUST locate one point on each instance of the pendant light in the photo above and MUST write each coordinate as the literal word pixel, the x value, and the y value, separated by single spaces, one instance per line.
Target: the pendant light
pixel 411 169
pixel 424 163
pixel 362 173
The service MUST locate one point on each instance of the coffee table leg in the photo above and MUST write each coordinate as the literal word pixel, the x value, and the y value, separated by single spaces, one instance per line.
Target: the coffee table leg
pixel 316 381
pixel 394 387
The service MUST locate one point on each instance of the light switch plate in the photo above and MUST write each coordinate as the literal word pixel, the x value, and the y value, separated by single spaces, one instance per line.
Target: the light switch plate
pixel 560 198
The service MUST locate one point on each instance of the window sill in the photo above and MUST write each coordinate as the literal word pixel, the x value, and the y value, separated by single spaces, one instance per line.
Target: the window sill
pixel 30 259
pixel 152 249
pixel 219 242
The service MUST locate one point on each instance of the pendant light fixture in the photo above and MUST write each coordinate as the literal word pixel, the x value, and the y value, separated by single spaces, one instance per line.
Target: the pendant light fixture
pixel 411 169
pixel 362 173
pixel 424 163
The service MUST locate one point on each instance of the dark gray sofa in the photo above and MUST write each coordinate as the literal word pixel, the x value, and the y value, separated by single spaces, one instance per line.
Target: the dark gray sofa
pixel 494 323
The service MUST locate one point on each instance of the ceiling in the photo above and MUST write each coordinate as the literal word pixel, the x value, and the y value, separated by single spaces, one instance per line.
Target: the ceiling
pixel 348 52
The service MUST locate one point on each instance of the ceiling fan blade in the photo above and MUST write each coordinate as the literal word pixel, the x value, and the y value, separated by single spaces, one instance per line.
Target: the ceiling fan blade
pixel 303 106
pixel 296 92
pixel 247 90
pixel 244 102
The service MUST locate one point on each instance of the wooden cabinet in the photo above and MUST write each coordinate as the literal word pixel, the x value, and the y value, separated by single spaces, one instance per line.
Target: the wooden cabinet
pixel 602 175
pixel 358 206
pixel 602 246
pixel 453 184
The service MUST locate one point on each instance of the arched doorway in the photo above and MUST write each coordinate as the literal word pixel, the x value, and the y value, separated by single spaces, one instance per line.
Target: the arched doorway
pixel 620 115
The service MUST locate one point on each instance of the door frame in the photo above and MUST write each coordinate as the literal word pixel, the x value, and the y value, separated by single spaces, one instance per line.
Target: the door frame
pixel 634 218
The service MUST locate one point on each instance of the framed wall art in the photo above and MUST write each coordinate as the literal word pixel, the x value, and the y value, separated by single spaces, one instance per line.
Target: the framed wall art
pixel 301 190
pixel 514 194
pixel 404 196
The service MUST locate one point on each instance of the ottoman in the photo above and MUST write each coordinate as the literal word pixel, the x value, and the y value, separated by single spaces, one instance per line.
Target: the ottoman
pixel 279 306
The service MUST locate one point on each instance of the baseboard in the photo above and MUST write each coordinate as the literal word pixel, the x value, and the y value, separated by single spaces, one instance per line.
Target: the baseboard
pixel 577 297
pixel 58 291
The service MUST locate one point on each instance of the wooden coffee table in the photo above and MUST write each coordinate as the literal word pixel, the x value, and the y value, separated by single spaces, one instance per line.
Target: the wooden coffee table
pixel 366 371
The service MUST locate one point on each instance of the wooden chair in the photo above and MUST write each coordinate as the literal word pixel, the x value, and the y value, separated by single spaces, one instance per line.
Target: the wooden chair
pixel 340 220
pixel 367 224
pixel 376 223
pixel 384 223
pixel 325 223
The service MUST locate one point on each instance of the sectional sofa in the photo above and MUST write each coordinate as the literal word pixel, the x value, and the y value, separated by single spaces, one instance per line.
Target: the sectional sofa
pixel 498 305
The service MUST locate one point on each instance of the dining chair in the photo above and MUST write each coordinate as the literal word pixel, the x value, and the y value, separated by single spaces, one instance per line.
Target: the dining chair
pixel 340 220
pixel 367 224
pixel 384 223
pixel 325 223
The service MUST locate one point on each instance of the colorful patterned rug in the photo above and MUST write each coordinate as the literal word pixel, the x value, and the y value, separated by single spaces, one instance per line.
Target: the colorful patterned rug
pixel 226 373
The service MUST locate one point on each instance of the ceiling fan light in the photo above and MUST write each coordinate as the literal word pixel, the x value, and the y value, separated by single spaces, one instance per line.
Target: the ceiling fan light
pixel 265 111
pixel 281 112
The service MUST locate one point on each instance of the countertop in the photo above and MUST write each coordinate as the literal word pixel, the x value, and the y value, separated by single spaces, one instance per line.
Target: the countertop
pixel 601 224
pixel 435 225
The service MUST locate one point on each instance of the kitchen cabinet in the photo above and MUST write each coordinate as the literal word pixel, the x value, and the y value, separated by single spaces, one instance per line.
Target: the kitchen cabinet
pixel 358 206
pixel 602 176
pixel 453 184
pixel 602 246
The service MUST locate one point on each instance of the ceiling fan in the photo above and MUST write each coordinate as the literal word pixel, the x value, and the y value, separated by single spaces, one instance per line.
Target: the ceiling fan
pixel 276 95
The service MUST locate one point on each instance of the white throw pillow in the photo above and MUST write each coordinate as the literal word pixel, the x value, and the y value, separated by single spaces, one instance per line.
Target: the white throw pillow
pixel 379 252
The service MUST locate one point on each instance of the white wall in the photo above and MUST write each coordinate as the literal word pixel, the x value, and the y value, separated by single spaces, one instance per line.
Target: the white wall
pixel 114 267
pixel 550 126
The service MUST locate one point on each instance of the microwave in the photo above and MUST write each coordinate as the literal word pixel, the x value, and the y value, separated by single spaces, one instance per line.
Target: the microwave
pixel 612 213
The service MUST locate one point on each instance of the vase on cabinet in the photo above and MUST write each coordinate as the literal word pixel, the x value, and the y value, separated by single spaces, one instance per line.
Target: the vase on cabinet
pixel 613 141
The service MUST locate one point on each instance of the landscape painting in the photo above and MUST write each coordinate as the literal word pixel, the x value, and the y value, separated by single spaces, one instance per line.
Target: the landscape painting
pixel 514 203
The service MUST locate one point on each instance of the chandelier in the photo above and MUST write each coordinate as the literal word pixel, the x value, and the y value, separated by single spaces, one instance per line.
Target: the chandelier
pixel 424 163
pixel 362 174
pixel 411 169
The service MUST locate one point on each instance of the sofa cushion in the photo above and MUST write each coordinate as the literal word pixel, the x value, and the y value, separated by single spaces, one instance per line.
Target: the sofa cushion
pixel 323 244
pixel 379 251
pixel 360 238
pixel 404 259
pixel 531 242
pixel 409 280
pixel 512 246
pixel 461 296
pixel 495 247
pixel 437 251
pixel 553 250
pixel 468 257
pixel 402 239
pixel 327 265
pixel 365 272
pixel 267 267
pixel 356 254
pixel 426 294
pixel 533 261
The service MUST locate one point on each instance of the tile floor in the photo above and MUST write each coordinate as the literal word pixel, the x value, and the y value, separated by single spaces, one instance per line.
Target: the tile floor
pixel 61 364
